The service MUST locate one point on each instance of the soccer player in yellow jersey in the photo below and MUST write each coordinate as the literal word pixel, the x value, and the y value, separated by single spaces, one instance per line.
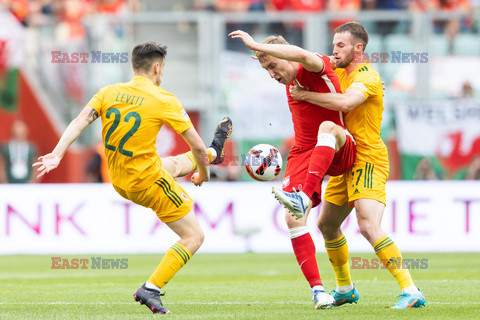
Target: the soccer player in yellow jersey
pixel 132 114
pixel 363 186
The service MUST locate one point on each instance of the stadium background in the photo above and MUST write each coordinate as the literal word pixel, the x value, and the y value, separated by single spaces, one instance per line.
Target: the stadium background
pixel 429 58
pixel 212 75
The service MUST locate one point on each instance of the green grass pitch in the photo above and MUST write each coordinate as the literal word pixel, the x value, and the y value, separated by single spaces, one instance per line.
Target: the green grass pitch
pixel 221 286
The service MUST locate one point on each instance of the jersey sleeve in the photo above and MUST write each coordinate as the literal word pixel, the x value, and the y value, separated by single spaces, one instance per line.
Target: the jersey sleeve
pixel 367 83
pixel 97 101
pixel 176 117
pixel 327 65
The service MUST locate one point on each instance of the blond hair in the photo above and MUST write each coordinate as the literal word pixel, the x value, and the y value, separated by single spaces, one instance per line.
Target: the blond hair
pixel 273 39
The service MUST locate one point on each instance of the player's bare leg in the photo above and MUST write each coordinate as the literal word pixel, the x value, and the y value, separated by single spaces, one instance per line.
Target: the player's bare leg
pixel 189 231
pixel 178 166
pixel 184 164
pixel 329 222
pixel 331 218
pixel 304 250
pixel 191 238
pixel 369 216
pixel 336 131
pixel 331 138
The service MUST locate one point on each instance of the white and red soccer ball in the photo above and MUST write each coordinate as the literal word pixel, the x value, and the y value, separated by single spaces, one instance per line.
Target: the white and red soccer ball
pixel 263 162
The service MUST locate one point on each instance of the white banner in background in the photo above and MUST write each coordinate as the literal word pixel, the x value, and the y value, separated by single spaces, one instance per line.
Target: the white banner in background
pixel 447 128
pixel 13 40
pixel 236 217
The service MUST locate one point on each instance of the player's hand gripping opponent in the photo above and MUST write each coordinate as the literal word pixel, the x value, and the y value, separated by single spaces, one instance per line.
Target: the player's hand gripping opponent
pixel 296 92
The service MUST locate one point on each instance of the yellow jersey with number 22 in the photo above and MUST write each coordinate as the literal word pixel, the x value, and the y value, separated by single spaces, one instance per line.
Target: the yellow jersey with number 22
pixel 132 114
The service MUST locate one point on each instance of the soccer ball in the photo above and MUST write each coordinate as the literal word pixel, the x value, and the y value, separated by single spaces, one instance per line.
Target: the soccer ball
pixel 263 162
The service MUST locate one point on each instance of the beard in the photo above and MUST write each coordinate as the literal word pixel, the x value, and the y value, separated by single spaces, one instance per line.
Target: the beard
pixel 345 62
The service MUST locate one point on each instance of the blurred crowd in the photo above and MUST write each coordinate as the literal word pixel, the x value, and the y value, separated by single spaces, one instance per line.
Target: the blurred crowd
pixel 449 27
pixel 69 13
pixel 33 12
pixel 319 5
pixel 36 12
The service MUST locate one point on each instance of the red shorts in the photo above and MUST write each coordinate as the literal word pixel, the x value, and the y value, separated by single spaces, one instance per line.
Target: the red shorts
pixel 298 162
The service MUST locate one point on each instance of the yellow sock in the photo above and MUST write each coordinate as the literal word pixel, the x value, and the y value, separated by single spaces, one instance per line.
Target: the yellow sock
pixel 387 251
pixel 337 251
pixel 174 260
pixel 189 155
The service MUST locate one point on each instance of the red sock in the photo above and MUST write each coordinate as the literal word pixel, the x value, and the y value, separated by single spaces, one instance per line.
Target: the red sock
pixel 304 250
pixel 320 161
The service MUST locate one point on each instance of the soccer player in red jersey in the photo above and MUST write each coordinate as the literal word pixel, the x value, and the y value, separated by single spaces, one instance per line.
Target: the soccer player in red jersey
pixel 362 186
pixel 322 145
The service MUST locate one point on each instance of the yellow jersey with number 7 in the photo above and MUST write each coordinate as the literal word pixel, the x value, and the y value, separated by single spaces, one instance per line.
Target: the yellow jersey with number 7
pixel 365 120
pixel 132 114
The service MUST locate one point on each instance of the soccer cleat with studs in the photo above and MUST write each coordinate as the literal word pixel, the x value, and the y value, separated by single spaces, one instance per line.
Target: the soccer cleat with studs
pixel 221 134
pixel 292 201
pixel 351 296
pixel 410 300
pixel 151 299
pixel 322 299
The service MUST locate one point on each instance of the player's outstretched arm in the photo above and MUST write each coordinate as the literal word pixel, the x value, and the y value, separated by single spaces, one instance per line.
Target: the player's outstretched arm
pixel 334 101
pixel 309 60
pixel 51 161
pixel 200 154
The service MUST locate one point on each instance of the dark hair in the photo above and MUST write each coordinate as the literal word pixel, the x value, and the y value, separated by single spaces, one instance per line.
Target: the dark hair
pixel 144 55
pixel 356 30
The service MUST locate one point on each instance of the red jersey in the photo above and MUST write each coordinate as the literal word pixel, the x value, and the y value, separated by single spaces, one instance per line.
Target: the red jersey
pixel 307 117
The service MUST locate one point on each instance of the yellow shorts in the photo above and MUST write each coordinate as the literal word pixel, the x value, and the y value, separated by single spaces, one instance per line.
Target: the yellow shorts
pixel 363 181
pixel 165 197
